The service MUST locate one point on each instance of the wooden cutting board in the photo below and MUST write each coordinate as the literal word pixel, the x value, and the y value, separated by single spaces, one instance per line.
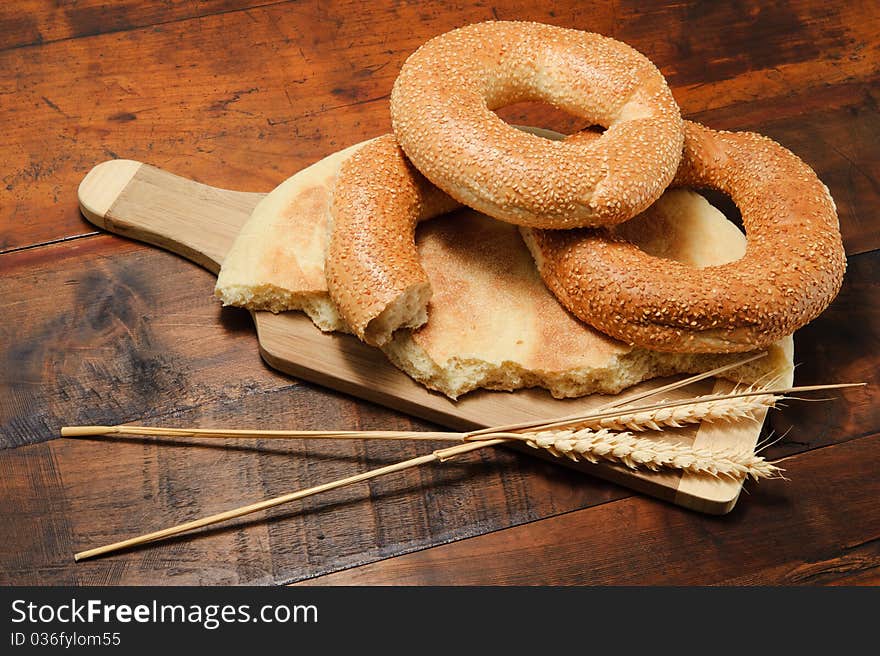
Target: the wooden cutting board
pixel 200 223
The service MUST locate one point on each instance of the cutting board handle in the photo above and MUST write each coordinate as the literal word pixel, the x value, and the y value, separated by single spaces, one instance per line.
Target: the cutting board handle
pixel 142 202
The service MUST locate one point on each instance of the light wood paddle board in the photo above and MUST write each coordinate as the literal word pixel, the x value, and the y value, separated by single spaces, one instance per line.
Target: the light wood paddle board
pixel 200 223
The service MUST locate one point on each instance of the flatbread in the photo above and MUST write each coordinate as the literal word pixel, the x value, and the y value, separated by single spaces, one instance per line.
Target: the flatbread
pixel 277 261
pixel 491 322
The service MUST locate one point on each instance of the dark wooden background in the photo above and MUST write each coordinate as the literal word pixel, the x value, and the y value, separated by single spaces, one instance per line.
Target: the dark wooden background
pixel 241 94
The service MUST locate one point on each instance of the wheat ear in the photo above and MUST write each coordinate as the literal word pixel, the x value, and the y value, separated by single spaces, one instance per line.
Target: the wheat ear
pixel 704 409
pixel 637 452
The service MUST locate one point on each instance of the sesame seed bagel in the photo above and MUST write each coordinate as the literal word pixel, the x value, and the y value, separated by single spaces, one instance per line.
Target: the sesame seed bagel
pixel 792 268
pixel 372 266
pixel 441 110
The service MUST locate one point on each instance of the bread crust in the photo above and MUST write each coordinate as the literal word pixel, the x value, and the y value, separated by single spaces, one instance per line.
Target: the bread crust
pixel 372 267
pixel 792 269
pixel 441 109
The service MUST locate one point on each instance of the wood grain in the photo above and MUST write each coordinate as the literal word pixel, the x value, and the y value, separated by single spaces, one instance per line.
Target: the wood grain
pixel 153 350
pixel 790 533
pixel 38 22
pixel 241 99
pixel 304 79
pixel 107 333
pixel 54 505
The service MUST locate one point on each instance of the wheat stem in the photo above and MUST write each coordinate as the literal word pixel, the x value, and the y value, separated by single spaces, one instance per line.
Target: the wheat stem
pixel 588 444
pixel 685 411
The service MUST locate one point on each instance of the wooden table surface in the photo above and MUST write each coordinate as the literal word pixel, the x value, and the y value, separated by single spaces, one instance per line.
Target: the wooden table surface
pixel 241 94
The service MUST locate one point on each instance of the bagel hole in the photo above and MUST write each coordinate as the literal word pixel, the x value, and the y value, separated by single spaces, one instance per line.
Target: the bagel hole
pixel 687 226
pixel 724 204
pixel 543 115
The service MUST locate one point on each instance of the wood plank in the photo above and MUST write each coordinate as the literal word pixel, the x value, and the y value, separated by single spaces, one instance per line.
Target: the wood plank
pixel 137 359
pixel 37 22
pixel 114 332
pixel 789 533
pixel 108 489
pixel 767 51
pixel 185 97
pixel 40 531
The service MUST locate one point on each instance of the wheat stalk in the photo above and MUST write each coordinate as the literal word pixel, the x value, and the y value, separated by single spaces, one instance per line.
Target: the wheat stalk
pixel 638 452
pixel 709 408
pixel 556 437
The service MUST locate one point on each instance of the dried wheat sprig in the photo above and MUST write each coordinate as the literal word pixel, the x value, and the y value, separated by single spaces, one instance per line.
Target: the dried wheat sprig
pixel 696 408
pixel 443 455
pixel 96 431
pixel 702 408
pixel 639 452
pixel 575 421
pixel 709 409
pixel 602 441
pixel 157 431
